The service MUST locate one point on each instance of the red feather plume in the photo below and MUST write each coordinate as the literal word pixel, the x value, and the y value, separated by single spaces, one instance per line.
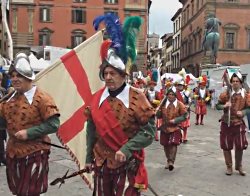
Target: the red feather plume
pixel 204 78
pixel 187 80
pixel 104 48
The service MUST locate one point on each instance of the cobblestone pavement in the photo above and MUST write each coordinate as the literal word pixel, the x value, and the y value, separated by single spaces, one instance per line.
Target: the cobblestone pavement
pixel 199 168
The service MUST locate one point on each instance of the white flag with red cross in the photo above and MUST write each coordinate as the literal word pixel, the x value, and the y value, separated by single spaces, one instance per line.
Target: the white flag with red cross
pixel 72 81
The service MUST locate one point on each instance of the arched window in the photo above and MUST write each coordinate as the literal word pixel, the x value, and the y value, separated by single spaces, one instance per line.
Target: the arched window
pixel 77 37
pixel 231 34
pixel 45 37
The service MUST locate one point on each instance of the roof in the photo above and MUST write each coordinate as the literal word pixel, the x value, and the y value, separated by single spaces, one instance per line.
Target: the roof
pixel 176 14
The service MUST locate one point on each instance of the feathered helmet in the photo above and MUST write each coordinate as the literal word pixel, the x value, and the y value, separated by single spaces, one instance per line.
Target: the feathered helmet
pixel 185 78
pixel 153 77
pixel 21 65
pixel 140 81
pixel 119 50
pixel 169 82
pixel 203 80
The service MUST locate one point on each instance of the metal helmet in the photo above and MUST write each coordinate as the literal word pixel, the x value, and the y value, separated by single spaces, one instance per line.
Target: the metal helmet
pixel 238 75
pixel 22 65
pixel 181 82
pixel 112 60
pixel 172 89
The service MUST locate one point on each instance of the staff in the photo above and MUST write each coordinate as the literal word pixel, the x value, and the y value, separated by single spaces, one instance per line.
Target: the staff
pixel 229 92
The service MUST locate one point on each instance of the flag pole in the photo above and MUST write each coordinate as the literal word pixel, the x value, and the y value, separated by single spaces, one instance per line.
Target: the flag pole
pixel 7 30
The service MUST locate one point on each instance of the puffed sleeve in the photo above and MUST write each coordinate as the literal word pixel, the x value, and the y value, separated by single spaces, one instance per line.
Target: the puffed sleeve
pixel 47 105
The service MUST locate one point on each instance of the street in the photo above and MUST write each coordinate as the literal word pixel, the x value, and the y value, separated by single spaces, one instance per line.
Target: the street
pixel 199 167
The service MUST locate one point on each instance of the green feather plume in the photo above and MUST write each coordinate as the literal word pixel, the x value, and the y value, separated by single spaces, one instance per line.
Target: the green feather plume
pixel 130 30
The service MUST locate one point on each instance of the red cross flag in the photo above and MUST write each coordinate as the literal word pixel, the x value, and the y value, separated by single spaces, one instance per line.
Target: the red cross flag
pixel 72 81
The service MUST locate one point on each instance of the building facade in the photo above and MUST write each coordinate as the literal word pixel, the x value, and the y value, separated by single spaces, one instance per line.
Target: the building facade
pixel 153 41
pixel 167 53
pixel 68 23
pixel 153 46
pixel 176 19
pixel 234 47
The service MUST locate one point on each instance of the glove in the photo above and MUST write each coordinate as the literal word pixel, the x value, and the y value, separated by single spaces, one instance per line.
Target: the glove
pixel 207 99
pixel 196 96
pixel 156 102
pixel 87 112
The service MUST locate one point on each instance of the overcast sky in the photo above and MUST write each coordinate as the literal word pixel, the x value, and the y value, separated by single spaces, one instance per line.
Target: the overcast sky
pixel 161 12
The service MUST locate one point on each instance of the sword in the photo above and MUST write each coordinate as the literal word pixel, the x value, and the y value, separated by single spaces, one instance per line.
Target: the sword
pixel 152 190
pixel 51 144
pixel 66 176
pixel 229 92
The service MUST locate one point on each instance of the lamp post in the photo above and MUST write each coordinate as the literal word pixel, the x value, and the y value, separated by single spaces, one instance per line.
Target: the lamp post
pixel 6 29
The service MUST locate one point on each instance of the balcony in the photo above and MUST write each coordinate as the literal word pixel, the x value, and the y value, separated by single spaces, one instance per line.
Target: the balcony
pixel 129 5
pixel 22 1
pixel 22 39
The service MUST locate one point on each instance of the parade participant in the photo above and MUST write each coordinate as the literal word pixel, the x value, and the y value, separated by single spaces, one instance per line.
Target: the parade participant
pixel 29 115
pixel 141 85
pixel 235 103
pixel 172 112
pixel 120 124
pixel 183 95
pixel 154 98
pixel 152 95
pixel 201 96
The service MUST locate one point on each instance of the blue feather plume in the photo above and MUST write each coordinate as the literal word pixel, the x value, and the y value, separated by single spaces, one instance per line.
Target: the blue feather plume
pixel 113 28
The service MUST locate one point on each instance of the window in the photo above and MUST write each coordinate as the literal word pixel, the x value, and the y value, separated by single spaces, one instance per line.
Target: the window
pixel 77 37
pixel 111 1
pixel 79 1
pixel 187 13
pixel 192 9
pixel 248 37
pixel 45 14
pixel 44 37
pixel 230 38
pixel 197 5
pixel 79 15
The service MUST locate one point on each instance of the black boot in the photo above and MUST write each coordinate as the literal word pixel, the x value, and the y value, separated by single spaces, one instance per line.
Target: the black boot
pixel 197 119
pixel 2 153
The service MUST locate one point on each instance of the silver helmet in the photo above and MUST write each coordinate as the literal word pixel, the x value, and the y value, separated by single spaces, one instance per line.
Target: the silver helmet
pixel 238 75
pixel 22 65
pixel 114 61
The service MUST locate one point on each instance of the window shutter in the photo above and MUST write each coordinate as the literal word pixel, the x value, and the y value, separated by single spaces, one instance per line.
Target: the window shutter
pixel 73 16
pixel 48 14
pixel 48 39
pixel 41 14
pixel 84 16
pixel 72 41
pixel 40 40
